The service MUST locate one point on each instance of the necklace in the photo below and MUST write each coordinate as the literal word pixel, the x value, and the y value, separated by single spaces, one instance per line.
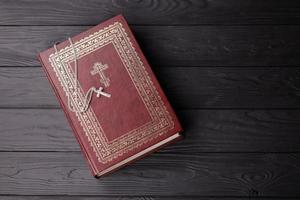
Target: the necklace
pixel 88 96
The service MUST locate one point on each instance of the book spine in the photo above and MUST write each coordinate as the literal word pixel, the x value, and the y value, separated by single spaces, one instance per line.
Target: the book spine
pixel 82 147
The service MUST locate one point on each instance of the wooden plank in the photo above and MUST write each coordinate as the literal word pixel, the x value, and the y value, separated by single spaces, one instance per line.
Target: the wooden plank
pixel 146 197
pixel 196 174
pixel 205 131
pixel 80 12
pixel 186 87
pixel 171 45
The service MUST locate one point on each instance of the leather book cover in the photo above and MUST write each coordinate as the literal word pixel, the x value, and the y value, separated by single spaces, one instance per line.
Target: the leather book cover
pixel 129 116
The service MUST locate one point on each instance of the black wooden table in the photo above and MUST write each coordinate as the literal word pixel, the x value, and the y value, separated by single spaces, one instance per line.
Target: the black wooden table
pixel 230 69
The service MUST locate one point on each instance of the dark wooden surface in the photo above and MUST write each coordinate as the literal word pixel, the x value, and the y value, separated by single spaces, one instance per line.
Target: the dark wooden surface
pixel 197 46
pixel 230 68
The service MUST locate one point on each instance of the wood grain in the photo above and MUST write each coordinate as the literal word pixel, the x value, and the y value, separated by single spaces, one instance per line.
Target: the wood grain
pixel 197 88
pixel 230 68
pixel 252 175
pixel 194 46
pixel 205 131
pixel 145 197
pixel 152 12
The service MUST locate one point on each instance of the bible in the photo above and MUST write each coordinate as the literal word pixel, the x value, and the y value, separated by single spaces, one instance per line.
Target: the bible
pixel 110 96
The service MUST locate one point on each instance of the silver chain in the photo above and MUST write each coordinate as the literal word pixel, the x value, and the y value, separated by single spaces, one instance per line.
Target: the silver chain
pixel 89 94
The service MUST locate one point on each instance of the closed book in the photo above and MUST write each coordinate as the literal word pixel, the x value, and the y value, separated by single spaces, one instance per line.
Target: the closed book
pixel 110 96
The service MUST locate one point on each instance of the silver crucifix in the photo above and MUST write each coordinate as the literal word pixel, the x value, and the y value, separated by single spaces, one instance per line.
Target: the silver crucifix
pixel 99 68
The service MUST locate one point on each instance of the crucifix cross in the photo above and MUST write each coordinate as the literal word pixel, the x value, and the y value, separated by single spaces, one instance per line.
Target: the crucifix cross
pixel 99 68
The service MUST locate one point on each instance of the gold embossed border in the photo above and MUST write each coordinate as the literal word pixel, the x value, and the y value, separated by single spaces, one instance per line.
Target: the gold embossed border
pixel 161 121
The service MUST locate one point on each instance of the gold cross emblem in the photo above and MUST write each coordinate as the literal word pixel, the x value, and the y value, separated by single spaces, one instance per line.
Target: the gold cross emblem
pixel 99 68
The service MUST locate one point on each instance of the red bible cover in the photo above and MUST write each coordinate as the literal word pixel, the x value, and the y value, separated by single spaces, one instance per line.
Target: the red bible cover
pixel 137 119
